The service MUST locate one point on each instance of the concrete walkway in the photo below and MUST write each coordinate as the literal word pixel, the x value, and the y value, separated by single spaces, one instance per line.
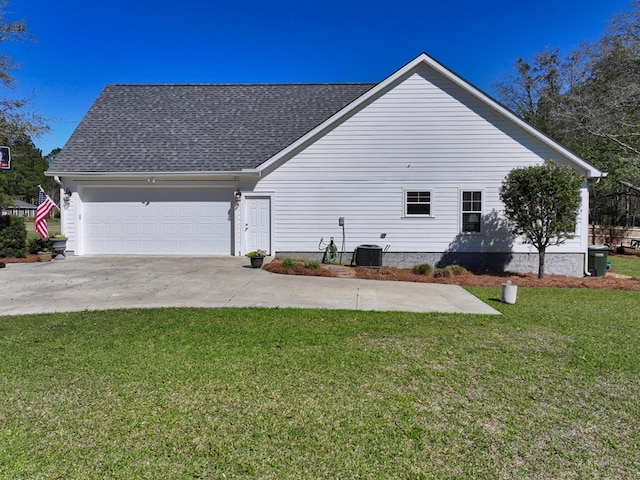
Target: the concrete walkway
pixel 100 283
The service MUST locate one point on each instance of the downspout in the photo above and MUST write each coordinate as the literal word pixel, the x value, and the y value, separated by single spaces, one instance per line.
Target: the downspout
pixel 593 234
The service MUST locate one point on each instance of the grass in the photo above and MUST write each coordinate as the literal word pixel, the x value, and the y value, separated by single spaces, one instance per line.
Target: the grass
pixel 53 225
pixel 625 264
pixel 550 389
pixel 289 263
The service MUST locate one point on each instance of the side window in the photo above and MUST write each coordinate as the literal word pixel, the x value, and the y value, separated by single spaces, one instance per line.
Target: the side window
pixel 417 203
pixel 471 211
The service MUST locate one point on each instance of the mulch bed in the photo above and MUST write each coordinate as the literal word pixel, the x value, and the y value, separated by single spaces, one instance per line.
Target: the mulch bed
pixel 609 282
pixel 30 258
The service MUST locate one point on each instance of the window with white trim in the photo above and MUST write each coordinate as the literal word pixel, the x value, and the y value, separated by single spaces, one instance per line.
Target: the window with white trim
pixel 471 211
pixel 417 202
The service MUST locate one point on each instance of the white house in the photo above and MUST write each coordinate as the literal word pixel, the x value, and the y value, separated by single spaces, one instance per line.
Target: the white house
pixel 413 164
pixel 21 209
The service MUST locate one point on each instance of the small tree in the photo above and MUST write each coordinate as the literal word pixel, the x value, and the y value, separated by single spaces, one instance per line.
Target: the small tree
pixel 542 203
pixel 13 236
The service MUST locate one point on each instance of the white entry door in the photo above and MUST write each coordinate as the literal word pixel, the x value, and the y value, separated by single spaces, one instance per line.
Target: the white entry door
pixel 258 224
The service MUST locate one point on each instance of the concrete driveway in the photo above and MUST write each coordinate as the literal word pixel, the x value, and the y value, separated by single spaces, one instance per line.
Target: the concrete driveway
pixel 100 283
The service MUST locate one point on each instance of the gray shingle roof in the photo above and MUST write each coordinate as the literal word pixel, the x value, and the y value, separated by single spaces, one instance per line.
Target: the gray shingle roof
pixel 177 128
pixel 21 204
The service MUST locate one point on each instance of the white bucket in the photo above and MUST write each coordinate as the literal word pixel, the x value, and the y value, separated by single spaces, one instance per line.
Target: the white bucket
pixel 509 293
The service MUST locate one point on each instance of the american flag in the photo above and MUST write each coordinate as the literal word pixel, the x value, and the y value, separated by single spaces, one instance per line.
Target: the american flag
pixel 45 205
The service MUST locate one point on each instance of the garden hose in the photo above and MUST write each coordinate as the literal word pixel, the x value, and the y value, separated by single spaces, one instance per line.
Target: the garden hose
pixel 331 253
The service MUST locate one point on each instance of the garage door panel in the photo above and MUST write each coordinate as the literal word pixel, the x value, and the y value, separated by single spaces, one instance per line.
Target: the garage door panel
pixel 154 221
pixel 184 212
pixel 169 212
pixel 129 211
pixel 207 230
pixel 171 230
pixel 111 229
pixel 205 213
pixel 95 229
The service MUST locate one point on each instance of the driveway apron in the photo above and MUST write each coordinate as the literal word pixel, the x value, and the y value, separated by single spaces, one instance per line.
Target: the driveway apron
pixel 110 282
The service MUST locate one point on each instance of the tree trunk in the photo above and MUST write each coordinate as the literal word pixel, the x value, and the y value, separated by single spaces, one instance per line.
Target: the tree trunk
pixel 541 254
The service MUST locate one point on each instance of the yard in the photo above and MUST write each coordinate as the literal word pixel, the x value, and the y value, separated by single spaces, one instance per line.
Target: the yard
pixel 52 223
pixel 548 390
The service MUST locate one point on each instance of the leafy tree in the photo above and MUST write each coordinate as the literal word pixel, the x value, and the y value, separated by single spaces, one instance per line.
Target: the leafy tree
pixel 27 171
pixel 542 204
pixel 14 118
pixel 533 89
pixel 589 100
pixel 17 124
pixel 50 157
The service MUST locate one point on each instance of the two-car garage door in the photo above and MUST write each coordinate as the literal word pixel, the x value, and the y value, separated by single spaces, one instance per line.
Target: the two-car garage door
pixel 156 221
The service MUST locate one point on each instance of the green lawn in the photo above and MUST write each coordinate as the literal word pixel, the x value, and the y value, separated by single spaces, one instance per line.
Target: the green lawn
pixel 53 224
pixel 625 264
pixel 548 390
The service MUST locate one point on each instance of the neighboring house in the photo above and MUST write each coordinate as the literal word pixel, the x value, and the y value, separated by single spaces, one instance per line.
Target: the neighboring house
pixel 21 209
pixel 413 163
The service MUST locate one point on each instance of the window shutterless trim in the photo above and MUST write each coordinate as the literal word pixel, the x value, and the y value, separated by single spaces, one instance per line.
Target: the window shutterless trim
pixel 417 203
pixel 471 211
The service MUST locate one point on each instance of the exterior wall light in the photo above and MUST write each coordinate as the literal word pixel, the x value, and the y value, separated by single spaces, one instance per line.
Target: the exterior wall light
pixel 238 195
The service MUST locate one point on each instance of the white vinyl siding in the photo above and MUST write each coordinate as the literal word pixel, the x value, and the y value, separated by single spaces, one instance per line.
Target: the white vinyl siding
pixel 424 130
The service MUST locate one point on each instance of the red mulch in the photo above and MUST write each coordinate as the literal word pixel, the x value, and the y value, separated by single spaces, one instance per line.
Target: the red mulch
pixel 31 257
pixel 609 282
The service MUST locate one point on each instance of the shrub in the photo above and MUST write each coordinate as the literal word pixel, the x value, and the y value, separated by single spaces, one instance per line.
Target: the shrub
pixel 313 265
pixel 457 269
pixel 289 263
pixel 13 236
pixel 36 245
pixel 442 273
pixel 423 269
pixel 449 271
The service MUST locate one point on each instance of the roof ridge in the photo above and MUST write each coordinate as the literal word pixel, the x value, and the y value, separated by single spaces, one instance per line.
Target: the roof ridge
pixel 237 84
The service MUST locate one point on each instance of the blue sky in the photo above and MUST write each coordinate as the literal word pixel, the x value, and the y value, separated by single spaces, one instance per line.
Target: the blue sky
pixel 83 45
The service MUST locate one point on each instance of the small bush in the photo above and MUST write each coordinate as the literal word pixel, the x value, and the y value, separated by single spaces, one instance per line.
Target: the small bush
pixel 13 236
pixel 457 269
pixel 36 245
pixel 423 269
pixel 442 273
pixel 449 271
pixel 312 265
pixel 289 263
